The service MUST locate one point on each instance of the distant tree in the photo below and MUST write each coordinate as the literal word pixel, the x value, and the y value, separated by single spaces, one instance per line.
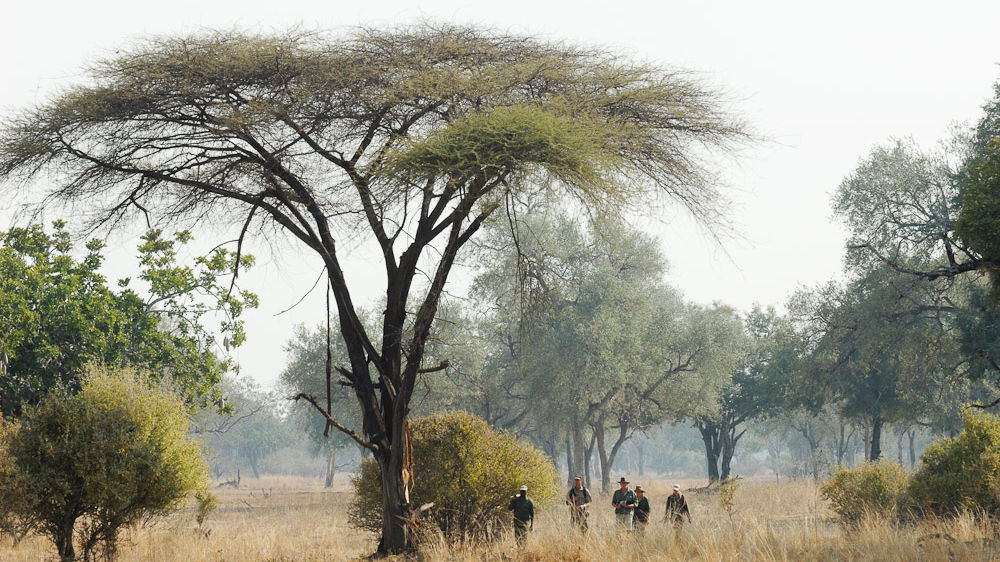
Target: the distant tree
pixel 905 209
pixel 57 313
pixel 412 138
pixel 601 346
pixel 305 373
pixel 877 359
pixel 250 428
pixel 86 467
pixel 756 365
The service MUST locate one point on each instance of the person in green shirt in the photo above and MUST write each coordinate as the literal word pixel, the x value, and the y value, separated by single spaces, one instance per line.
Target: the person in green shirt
pixel 524 514
pixel 624 501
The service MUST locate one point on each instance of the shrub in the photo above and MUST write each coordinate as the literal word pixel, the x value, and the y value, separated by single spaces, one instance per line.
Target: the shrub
pixel 468 470
pixel 87 466
pixel 873 488
pixel 961 473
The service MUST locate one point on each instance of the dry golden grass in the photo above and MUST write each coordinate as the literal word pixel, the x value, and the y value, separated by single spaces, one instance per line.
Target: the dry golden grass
pixel 285 519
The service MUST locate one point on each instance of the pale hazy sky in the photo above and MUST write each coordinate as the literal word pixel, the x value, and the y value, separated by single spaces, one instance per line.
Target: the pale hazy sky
pixel 825 83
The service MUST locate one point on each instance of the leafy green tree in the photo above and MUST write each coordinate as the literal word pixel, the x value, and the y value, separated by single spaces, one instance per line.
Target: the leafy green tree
pixel 754 364
pixel 86 467
pixel 979 194
pixel 879 360
pixel 469 471
pixel 600 346
pixel 57 313
pixel 412 138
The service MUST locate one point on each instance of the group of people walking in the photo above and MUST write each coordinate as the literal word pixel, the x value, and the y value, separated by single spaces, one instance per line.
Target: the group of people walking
pixel 631 508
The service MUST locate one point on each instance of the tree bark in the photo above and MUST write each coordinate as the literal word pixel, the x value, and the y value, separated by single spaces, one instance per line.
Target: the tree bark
pixel 64 540
pixel 875 448
pixel 710 437
pixel 252 459
pixel 913 453
pixel 578 450
pixel 331 467
pixel 396 511
pixel 569 458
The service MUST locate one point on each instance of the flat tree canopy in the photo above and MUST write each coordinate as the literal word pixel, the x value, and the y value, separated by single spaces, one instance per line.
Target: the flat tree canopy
pixel 412 136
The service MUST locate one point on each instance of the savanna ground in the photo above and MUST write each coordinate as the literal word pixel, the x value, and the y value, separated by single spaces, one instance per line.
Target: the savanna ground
pixel 286 519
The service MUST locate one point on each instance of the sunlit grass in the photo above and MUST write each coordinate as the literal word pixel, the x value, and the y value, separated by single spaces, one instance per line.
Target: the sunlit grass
pixel 285 519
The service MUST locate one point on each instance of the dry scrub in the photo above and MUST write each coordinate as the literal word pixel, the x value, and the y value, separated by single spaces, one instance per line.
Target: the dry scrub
pixel 285 519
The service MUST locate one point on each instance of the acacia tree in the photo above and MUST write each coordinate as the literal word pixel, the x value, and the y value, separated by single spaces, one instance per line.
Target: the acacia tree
pixel 413 137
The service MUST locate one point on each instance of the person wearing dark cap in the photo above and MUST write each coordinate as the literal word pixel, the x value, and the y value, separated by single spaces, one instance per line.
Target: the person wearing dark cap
pixel 579 501
pixel 641 510
pixel 677 508
pixel 624 501
pixel 524 514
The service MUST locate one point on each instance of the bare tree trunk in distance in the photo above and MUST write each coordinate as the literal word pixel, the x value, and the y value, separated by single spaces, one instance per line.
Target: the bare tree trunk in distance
pixel 331 467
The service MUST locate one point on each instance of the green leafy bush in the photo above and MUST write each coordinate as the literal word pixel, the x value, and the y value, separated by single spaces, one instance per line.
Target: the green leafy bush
pixel 875 488
pixel 962 473
pixel 87 466
pixel 468 470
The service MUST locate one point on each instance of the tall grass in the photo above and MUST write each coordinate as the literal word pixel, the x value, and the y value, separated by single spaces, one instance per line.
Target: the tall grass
pixel 286 519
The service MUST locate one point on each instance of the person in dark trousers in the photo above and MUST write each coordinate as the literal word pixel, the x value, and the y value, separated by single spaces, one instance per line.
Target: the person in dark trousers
pixel 677 509
pixel 524 514
pixel 579 501
pixel 624 501
pixel 641 511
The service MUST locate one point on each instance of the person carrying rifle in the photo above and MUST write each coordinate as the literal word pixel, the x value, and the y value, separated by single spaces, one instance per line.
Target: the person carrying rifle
pixel 579 501
pixel 524 514
pixel 677 509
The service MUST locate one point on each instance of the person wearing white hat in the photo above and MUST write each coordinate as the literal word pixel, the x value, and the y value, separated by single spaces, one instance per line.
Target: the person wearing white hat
pixel 524 514
pixel 677 508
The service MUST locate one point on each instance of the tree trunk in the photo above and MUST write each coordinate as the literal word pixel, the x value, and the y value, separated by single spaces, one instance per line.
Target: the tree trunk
pixel 331 467
pixel 396 512
pixel 252 458
pixel 899 446
pixel 729 441
pixel 602 455
pixel 64 541
pixel 875 449
pixel 569 458
pixel 913 453
pixel 709 435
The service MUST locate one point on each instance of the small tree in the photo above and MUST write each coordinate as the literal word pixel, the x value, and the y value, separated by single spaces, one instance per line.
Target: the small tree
pixel 467 470
pixel 872 488
pixel 961 473
pixel 90 465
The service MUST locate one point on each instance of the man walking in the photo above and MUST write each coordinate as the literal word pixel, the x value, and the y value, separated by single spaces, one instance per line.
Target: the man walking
pixel 624 501
pixel 677 509
pixel 579 501
pixel 524 514
pixel 641 511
